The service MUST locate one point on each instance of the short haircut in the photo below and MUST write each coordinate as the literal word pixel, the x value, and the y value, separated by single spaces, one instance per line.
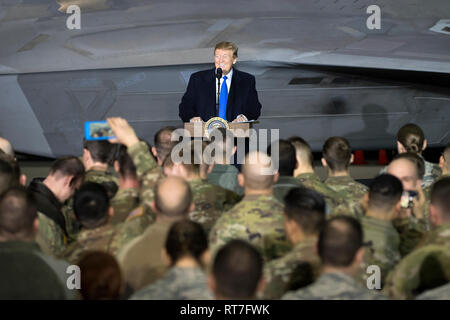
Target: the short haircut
pixel 100 150
pixel 186 239
pixel 339 240
pixel 411 137
pixel 163 141
pixel 91 204
pixel 286 157
pixel 169 206
pixel 17 213
pixel 302 149
pixel 440 196
pixel 226 45
pixel 307 208
pixel 255 179
pixel 337 153
pixel 127 168
pixel 385 192
pixel 237 269
pixel 68 166
pixel 416 160
pixel 101 278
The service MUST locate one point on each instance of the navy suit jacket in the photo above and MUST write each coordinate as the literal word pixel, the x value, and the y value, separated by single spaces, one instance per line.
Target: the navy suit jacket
pixel 199 99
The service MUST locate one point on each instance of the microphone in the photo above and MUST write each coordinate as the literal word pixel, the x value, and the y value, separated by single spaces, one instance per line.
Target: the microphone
pixel 219 73
pixel 218 76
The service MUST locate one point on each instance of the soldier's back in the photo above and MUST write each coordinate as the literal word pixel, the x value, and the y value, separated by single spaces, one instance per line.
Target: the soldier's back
pixel 210 202
pixel 407 279
pixel 348 186
pixel 440 293
pixel 105 178
pixel 257 219
pixel 90 239
pixel 123 203
pixel 383 246
pixel 296 269
pixel 177 284
pixel 439 236
pixel 141 260
pixel 225 176
pixel 312 181
pixel 334 286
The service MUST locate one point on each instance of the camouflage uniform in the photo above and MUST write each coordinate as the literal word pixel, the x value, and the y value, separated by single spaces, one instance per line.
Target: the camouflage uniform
pixel 257 219
pixel 312 181
pixel 384 246
pixel 177 284
pixel 73 227
pixel 440 293
pixel 105 178
pixel 410 275
pixel 147 170
pixel 50 237
pixel 347 186
pixel 298 268
pixel 352 191
pixel 90 239
pixel 334 286
pixel 283 185
pixel 210 202
pixel 225 176
pixel 432 173
pixel 125 201
pixel 135 225
pixel 141 260
pixel 439 235
pixel 348 208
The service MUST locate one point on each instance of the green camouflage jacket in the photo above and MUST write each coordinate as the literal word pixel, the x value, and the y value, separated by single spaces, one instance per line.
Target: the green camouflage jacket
pixel 417 271
pixel 296 269
pixel 257 219
pixel 125 201
pixel 177 284
pixel 210 202
pixel 334 286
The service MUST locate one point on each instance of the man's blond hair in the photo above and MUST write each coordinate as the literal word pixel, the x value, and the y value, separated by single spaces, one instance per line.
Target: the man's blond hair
pixel 226 45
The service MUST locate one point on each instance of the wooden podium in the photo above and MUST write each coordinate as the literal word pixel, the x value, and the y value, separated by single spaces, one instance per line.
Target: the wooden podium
pixel 197 129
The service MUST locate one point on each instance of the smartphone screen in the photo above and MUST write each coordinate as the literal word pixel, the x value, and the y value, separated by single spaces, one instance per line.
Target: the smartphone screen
pixel 97 130
pixel 406 200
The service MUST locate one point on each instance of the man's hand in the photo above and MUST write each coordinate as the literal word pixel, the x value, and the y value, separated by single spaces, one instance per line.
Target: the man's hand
pixel 196 119
pixel 240 118
pixel 123 131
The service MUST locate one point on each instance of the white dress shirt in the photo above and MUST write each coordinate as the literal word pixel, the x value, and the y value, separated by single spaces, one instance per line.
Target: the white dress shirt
pixel 229 78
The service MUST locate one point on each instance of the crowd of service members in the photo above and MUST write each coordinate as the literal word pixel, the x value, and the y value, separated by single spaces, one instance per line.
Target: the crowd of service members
pixel 139 223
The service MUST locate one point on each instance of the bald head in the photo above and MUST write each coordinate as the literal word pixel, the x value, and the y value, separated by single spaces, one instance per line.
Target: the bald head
pixel 173 196
pixel 257 171
pixel 6 147
pixel 406 171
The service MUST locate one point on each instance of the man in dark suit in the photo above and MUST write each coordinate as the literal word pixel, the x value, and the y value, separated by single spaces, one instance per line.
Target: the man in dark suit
pixel 238 99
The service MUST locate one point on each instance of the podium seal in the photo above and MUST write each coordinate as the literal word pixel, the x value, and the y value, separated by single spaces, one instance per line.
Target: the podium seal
pixel 214 123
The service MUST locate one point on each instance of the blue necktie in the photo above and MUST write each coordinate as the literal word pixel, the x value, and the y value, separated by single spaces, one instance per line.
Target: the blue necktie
pixel 223 99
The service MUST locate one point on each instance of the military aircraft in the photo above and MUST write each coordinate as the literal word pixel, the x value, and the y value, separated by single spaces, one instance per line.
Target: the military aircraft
pixel 322 67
